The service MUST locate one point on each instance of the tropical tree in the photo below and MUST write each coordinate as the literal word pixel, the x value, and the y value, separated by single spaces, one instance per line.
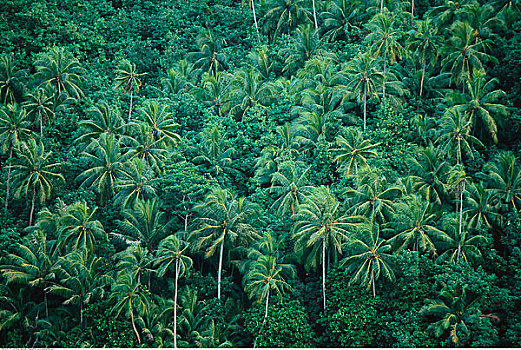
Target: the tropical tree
pixel 14 129
pixel 363 78
pixel 34 172
pixel 504 175
pixel 137 261
pixel 353 150
pixel 423 45
pixel 263 277
pixel 170 255
pixel 137 183
pixel 128 79
pixel 413 225
pixel 105 120
pixel 213 154
pixel 290 185
pixel 285 15
pixel 454 135
pixel 340 17
pixel 129 298
pixel 11 80
pixel 16 309
pixel 39 105
pixel 160 122
pixel 179 78
pixel 80 229
pixel 457 310
pixel 480 206
pixel 480 103
pixel 457 180
pixel 368 257
pixel 215 91
pixel 306 45
pixel 251 3
pixel 320 226
pixel 60 69
pixel 106 165
pixel 146 147
pixel 224 221
pixel 248 91
pixel 210 57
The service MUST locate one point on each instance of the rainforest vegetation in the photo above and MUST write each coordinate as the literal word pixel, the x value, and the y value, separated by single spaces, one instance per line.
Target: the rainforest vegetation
pixel 261 173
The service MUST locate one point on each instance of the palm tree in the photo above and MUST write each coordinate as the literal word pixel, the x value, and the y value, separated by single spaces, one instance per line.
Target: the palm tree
pixel 463 54
pixel 251 3
pixel 423 43
pixel 480 206
pixel 137 183
pixel 481 104
pixel 144 224
pixel 39 105
pixel 214 91
pixel 145 146
pixel 106 165
pixel 210 57
pixel 179 78
pixel 248 91
pixel 363 78
pixel 14 128
pixel 320 226
pixel 129 298
pixel 454 134
pixel 353 150
pixel 80 228
pixel 16 311
pixel 264 276
pixel 34 172
pixel 214 155
pixel 104 120
pixel 224 220
pixel 456 180
pixel 458 309
pixel 384 38
pixel 137 261
pixel 34 264
pixel 428 171
pixel 170 252
pixel 285 15
pixel 306 45
pixel 11 85
pixel 341 15
pixel 460 244
pixel 448 12
pixel 414 225
pixel 290 185
pixel 160 122
pixel 504 175
pixel 81 280
pixel 60 69
pixel 128 79
pixel 368 256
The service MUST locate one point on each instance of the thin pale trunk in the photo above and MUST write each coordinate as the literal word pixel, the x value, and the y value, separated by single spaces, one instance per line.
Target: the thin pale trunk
pixel 41 127
pixel 365 103
pixel 81 313
pixel 324 271
pixel 175 301
pixel 134 326
pixel 412 8
pixel 149 277
pixel 460 220
pixel 458 154
pixel 385 76
pixel 130 109
pixel 220 271
pixel 255 20
pixel 292 206
pixel 32 207
pixel 423 78
pixel 8 177
pixel 46 304
pixel 372 281
pixel 382 6
pixel 356 163
pixel 315 16
pixel 265 317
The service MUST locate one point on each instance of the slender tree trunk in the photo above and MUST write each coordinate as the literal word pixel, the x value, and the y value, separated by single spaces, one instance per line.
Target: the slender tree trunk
pixel 220 271
pixel 365 103
pixel 324 271
pixel 458 154
pixel 32 207
pixel 81 313
pixel 460 221
pixel 356 165
pixel 175 301
pixel 292 206
pixel 315 17
pixel 130 109
pixel 382 6
pixel 149 277
pixel 46 304
pixel 265 317
pixel 255 20
pixel 8 177
pixel 385 76
pixel 412 8
pixel 372 281
pixel 134 326
pixel 41 126
pixel 423 78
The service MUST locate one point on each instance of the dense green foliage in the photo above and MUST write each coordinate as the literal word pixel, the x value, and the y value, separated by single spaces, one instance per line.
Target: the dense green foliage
pixel 277 173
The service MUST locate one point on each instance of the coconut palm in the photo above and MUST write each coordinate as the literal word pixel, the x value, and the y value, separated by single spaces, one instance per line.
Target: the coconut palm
pixel 33 172
pixel 320 227
pixel 457 180
pixel 80 229
pixel 11 80
pixel 251 3
pixel 458 309
pixel 60 69
pixel 14 129
pixel 413 225
pixel 454 135
pixel 170 255
pixel 248 90
pixel 340 17
pixel 368 256
pixel 285 15
pixel 213 154
pixel 428 171
pixel 364 77
pixel 145 146
pixel 224 222
pixel 504 175
pixel 106 165
pixel 480 103
pixel 128 79
pixel 263 277
pixel 16 310
pixel 160 122
pixel 179 78
pixel 39 105
pixel 306 45
pixel 480 206
pixel 137 183
pixel 210 58
pixel 105 120
pixel 137 261
pixel 353 150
